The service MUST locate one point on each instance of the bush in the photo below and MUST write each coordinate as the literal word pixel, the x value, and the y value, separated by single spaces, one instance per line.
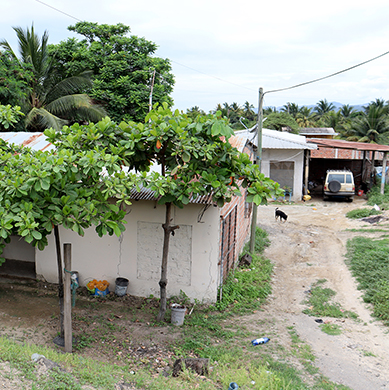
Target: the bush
pixel 375 197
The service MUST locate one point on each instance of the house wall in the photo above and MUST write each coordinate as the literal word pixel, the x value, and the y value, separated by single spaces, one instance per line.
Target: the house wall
pixel 278 155
pixel 136 255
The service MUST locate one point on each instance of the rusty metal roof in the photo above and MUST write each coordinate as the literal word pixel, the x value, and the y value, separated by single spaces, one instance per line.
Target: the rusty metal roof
pixel 35 141
pixel 341 144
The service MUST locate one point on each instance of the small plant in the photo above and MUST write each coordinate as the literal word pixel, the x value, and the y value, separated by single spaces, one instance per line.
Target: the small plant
pixel 181 299
pixel 331 329
pixel 362 213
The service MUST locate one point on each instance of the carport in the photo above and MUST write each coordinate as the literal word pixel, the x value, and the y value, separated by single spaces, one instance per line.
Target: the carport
pixel 358 157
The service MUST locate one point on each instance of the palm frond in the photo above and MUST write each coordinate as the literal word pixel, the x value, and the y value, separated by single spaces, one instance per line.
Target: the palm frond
pixel 42 118
pixel 69 86
pixel 68 106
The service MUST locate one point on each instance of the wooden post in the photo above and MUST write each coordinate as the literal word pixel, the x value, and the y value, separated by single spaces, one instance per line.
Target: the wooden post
pixel 67 248
pixel 372 173
pixel 306 172
pixel 383 175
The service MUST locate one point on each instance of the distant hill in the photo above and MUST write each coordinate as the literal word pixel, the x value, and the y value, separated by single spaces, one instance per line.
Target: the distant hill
pixel 336 104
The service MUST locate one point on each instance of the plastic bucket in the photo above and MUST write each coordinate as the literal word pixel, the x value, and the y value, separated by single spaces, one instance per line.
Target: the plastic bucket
pixel 76 273
pixel 121 286
pixel 233 386
pixel 178 314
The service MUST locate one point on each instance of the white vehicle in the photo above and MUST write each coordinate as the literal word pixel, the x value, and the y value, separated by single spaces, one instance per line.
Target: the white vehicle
pixel 339 183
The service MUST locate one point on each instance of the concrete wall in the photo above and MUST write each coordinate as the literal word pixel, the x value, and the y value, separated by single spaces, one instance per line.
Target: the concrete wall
pixel 278 155
pixel 136 255
pixel 18 249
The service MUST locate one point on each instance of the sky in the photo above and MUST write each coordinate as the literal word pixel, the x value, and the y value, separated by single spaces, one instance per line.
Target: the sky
pixel 224 51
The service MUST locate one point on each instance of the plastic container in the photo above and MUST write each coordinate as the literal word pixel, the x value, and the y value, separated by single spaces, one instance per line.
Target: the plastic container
pixel 99 293
pixel 233 386
pixel 77 276
pixel 262 340
pixel 121 286
pixel 178 314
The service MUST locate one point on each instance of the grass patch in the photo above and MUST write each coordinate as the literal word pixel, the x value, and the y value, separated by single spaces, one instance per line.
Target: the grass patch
pixel 368 260
pixel 319 302
pixel 247 288
pixel 331 329
pixel 362 213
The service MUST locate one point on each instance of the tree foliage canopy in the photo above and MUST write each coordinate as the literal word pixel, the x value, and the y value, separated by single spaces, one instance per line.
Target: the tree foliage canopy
pixel 122 67
pixel 49 99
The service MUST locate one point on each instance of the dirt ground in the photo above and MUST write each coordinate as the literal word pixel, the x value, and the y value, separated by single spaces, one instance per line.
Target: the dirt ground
pixel 308 247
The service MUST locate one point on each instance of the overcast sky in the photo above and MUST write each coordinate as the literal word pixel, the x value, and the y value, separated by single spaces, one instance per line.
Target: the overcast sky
pixel 223 51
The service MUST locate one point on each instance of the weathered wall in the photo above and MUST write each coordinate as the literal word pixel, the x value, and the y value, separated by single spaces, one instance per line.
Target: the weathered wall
pixel 136 255
pixel 278 155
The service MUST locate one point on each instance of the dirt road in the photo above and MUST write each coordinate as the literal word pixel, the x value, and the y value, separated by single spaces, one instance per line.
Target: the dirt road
pixel 311 245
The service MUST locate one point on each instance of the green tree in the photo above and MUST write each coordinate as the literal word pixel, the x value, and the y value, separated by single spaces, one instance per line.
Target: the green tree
pixel 322 107
pixel 195 157
pixel 306 118
pixel 370 126
pixel 52 101
pixel 9 116
pixel 290 108
pixel 194 111
pixel 346 111
pixel 15 81
pixel 40 191
pixel 123 68
pixel 279 120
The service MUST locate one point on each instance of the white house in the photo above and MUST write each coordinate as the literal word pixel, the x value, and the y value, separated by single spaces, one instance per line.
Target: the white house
pixel 202 251
pixel 283 158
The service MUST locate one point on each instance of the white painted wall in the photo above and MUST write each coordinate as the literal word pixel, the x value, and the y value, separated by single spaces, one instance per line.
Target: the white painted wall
pixel 136 255
pixel 295 155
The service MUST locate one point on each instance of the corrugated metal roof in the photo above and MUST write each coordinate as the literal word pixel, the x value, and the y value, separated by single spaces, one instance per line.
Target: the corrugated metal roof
pixel 35 141
pixel 238 141
pixel 146 194
pixel 341 144
pixel 273 139
pixel 317 130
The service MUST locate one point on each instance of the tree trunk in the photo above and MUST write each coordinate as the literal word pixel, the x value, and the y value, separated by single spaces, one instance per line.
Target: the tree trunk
pixel 167 228
pixel 60 280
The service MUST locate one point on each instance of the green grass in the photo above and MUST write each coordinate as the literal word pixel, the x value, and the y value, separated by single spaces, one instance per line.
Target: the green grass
pixel 368 260
pixel 362 213
pixel 331 329
pixel 320 303
pixel 375 197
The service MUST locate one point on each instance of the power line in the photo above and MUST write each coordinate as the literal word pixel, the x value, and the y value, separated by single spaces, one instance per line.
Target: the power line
pixel 327 77
pixel 58 10
pixel 241 86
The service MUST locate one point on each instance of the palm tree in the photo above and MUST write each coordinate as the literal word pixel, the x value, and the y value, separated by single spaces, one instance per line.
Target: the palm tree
pixel 305 117
pixel 248 111
pixel 53 101
pixel 346 110
pixel 370 126
pixel 195 112
pixel 290 108
pixel 322 107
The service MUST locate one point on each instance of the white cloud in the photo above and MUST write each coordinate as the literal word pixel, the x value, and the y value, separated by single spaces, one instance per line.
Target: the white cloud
pixel 236 47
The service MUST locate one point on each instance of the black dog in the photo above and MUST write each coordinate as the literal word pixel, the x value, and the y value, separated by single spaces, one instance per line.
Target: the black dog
pixel 280 214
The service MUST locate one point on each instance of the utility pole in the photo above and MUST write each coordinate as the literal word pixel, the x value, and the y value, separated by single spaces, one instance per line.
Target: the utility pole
pixel 151 92
pixel 257 161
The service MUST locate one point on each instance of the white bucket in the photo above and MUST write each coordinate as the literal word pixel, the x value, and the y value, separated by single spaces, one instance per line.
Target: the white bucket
pixel 178 314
